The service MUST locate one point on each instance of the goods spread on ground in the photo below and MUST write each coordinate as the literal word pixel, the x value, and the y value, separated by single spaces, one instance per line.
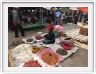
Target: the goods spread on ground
pixel 50 58
pixel 20 54
pixel 47 55
pixel 62 52
pixel 32 64
pixel 38 37
pixel 35 49
pixel 29 40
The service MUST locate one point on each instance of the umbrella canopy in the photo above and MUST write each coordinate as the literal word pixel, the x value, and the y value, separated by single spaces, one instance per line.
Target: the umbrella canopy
pixel 55 8
pixel 48 8
pixel 73 8
pixel 84 9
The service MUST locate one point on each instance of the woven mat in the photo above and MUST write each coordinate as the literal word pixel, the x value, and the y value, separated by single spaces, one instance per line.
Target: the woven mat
pixel 82 45
pixel 74 34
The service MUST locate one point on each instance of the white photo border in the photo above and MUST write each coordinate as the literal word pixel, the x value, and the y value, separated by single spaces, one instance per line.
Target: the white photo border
pixel 0 38
pixel 48 0
pixel 94 37
pixel 90 67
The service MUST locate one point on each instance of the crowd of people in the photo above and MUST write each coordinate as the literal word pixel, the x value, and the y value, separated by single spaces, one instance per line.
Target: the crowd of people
pixel 16 17
pixel 70 16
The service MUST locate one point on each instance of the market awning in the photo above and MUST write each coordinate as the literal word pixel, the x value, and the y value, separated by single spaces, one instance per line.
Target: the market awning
pixel 84 9
pixel 73 8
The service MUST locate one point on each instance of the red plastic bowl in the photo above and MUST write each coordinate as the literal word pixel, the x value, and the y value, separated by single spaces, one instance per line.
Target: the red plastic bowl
pixel 67 47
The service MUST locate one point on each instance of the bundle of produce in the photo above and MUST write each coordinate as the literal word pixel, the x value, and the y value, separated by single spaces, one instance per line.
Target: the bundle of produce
pixel 59 28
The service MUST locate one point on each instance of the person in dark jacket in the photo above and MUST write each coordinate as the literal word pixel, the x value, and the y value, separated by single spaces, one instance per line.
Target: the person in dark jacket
pixel 50 37
pixel 17 22
pixel 75 17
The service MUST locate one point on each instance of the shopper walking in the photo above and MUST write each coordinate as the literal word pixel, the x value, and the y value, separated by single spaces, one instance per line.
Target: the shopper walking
pixel 80 16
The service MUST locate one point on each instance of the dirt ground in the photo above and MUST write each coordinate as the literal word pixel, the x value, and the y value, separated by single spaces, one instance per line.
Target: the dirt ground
pixel 78 59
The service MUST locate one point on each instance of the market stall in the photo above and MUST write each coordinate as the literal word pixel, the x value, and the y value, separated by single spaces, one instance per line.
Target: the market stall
pixel 31 51
pixel 30 17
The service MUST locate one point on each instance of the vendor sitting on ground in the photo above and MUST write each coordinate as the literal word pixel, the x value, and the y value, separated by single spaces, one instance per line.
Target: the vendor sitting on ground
pixel 50 37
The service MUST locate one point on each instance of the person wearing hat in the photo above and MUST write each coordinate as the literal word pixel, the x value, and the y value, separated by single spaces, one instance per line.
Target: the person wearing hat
pixel 17 22
pixel 50 37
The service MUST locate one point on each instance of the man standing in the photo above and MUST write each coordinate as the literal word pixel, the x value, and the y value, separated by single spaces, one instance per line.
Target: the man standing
pixel 76 15
pixel 57 18
pixel 17 22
